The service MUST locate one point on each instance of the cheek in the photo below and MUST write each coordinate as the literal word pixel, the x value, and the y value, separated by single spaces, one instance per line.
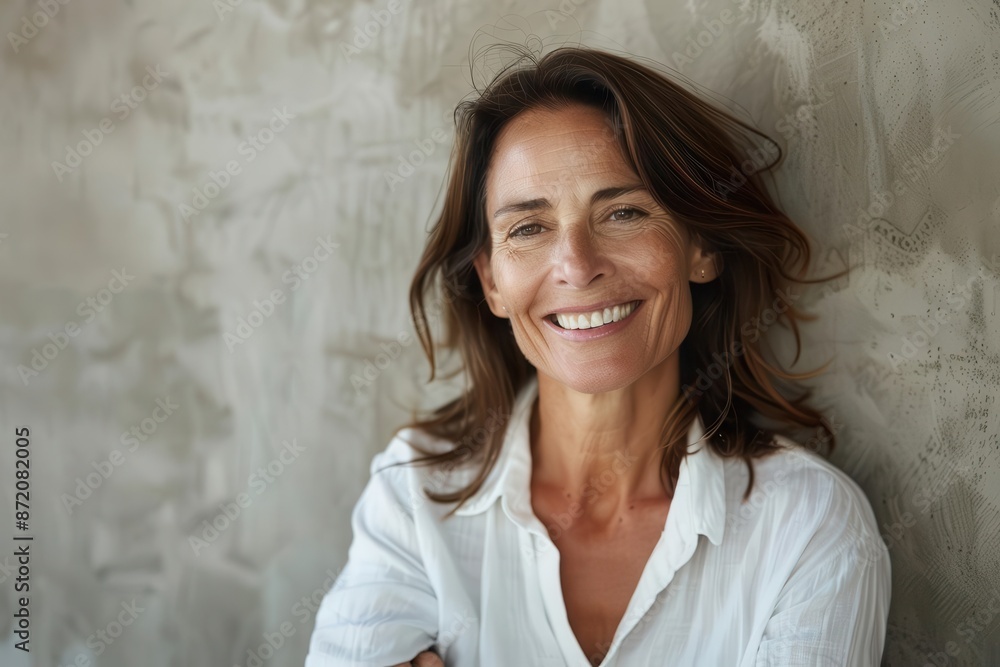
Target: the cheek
pixel 659 271
pixel 657 256
pixel 516 277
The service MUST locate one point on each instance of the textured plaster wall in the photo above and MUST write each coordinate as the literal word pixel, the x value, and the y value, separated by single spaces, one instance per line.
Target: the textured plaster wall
pixel 888 108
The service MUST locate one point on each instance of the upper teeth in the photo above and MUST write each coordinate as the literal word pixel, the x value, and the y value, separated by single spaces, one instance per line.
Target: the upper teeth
pixel 597 318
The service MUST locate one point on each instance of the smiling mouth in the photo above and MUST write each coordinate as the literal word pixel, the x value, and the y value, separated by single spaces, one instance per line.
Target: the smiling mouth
pixel 596 319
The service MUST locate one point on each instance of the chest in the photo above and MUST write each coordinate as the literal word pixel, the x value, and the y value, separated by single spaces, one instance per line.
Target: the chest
pixel 600 570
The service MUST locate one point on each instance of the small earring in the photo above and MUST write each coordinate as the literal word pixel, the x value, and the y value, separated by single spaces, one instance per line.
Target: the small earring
pixel 504 307
pixel 703 273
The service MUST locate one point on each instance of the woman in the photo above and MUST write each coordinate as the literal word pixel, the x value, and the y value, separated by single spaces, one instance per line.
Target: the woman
pixel 608 265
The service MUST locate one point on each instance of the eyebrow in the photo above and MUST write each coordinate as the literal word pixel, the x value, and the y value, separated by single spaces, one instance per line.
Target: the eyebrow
pixel 535 204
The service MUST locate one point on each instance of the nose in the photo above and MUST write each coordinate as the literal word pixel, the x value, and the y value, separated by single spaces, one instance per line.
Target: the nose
pixel 579 256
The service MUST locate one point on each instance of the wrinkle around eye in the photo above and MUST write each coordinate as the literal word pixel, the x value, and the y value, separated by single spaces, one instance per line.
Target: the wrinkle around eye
pixel 518 230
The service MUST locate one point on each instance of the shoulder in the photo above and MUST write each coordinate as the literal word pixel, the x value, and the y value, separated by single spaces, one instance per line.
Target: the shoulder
pixel 405 446
pixel 400 449
pixel 802 496
pixel 393 467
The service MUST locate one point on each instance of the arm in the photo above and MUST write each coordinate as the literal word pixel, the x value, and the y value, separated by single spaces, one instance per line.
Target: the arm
pixel 833 610
pixel 425 659
pixel 382 610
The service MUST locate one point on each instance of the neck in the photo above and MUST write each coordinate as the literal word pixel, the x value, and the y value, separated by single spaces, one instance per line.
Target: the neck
pixel 603 450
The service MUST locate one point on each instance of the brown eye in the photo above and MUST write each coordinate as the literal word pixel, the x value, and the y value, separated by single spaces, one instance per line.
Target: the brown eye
pixel 518 231
pixel 630 214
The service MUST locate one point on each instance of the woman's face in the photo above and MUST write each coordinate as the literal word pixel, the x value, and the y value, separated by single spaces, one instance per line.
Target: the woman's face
pixel 574 231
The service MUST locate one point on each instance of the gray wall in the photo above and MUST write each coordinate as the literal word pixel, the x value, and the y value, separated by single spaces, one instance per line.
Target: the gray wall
pixel 877 105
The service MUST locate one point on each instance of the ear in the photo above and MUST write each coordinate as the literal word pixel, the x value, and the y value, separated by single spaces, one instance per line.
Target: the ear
pixel 485 272
pixel 705 265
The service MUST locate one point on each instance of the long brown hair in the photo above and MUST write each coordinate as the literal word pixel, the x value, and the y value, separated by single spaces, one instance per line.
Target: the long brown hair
pixel 692 158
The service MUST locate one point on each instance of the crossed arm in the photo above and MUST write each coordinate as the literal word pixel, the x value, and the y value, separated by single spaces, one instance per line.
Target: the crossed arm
pixel 382 609
pixel 425 659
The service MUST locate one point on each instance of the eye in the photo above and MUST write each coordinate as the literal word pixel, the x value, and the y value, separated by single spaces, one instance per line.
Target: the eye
pixel 632 214
pixel 519 230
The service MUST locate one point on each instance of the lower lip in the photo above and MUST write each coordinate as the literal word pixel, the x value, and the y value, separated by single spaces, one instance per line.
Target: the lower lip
pixel 599 332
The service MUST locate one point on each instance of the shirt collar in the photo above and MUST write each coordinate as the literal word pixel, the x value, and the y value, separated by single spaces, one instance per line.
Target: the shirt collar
pixel 701 479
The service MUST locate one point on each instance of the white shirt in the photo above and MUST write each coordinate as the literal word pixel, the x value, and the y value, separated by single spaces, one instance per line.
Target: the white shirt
pixel 796 576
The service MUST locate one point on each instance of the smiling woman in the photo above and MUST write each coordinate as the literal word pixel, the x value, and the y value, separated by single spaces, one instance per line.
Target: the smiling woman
pixel 596 258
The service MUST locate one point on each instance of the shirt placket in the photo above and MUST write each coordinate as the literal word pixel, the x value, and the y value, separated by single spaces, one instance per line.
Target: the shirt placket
pixel 550 585
pixel 514 624
pixel 674 548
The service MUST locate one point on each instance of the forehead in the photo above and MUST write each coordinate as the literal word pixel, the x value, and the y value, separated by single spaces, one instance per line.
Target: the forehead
pixel 541 147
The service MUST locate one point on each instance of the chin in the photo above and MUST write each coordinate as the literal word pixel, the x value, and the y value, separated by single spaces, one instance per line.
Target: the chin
pixel 597 380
